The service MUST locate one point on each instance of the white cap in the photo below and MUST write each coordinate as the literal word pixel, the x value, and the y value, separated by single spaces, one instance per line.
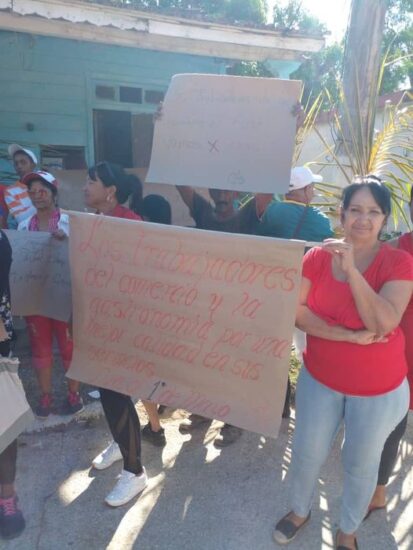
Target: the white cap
pixel 42 175
pixel 15 148
pixel 301 176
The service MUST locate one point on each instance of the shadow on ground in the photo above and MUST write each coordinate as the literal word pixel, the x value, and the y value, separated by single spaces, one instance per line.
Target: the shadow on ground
pixel 198 497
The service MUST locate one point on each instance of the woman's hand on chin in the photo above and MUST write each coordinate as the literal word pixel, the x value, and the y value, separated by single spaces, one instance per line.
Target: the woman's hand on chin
pixel 366 337
pixel 343 252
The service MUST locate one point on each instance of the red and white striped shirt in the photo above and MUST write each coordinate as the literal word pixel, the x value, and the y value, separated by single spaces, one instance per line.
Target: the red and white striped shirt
pixel 18 201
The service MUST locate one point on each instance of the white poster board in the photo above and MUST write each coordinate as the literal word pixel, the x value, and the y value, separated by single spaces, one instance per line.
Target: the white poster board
pixel 194 320
pixel 226 132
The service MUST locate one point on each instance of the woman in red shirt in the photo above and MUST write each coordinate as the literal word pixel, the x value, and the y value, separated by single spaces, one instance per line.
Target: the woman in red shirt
pixel 353 295
pixel 107 187
pixel 389 454
pixel 42 188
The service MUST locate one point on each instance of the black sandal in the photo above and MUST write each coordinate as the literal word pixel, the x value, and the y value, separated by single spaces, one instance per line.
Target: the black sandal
pixel 286 531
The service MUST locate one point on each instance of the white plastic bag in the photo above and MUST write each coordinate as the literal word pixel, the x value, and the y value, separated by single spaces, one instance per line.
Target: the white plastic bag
pixel 15 412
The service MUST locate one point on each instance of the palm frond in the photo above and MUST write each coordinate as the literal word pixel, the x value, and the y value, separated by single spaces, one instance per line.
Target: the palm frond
pixel 388 152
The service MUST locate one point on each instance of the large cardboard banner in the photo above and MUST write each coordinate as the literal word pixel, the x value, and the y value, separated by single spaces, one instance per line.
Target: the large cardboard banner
pixel 226 132
pixel 40 275
pixel 189 319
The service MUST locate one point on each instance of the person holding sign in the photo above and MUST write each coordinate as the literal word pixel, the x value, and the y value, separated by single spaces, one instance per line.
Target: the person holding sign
pixel 107 188
pixel 353 295
pixel 11 518
pixel 153 431
pixel 389 454
pixel 222 215
pixel 42 188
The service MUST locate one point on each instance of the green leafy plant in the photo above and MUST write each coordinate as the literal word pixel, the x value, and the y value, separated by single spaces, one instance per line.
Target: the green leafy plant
pixel 389 155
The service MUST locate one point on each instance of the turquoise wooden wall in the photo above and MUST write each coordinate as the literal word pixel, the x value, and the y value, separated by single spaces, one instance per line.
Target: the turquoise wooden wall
pixel 49 83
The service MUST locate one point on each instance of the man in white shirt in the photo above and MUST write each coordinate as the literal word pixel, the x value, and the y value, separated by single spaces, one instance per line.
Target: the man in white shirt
pixel 16 196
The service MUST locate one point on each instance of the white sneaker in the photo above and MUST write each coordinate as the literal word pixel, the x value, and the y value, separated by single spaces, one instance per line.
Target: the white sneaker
pixel 107 457
pixel 128 486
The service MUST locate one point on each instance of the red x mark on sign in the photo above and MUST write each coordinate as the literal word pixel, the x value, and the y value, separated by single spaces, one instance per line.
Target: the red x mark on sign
pixel 213 146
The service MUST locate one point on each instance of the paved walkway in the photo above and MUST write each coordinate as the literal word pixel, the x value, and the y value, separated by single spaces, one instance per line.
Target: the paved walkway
pixel 198 497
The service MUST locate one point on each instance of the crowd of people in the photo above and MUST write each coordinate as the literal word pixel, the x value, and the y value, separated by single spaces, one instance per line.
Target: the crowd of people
pixel 355 309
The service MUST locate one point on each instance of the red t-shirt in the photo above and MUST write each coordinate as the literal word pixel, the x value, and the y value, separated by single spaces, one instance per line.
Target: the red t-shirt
pixel 345 367
pixel 405 242
pixel 4 211
pixel 122 212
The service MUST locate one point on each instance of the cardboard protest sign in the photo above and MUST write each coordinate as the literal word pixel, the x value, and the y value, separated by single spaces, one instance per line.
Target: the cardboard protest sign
pixel 226 132
pixel 40 275
pixel 189 319
pixel 16 414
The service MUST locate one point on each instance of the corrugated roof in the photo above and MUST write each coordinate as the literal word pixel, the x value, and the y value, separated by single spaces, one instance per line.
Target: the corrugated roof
pixel 90 21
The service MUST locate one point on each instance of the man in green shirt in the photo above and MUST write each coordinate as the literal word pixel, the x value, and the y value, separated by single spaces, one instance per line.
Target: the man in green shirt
pixel 294 217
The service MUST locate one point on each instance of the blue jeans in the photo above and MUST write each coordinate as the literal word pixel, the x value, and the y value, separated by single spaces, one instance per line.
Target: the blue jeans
pixel 368 421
